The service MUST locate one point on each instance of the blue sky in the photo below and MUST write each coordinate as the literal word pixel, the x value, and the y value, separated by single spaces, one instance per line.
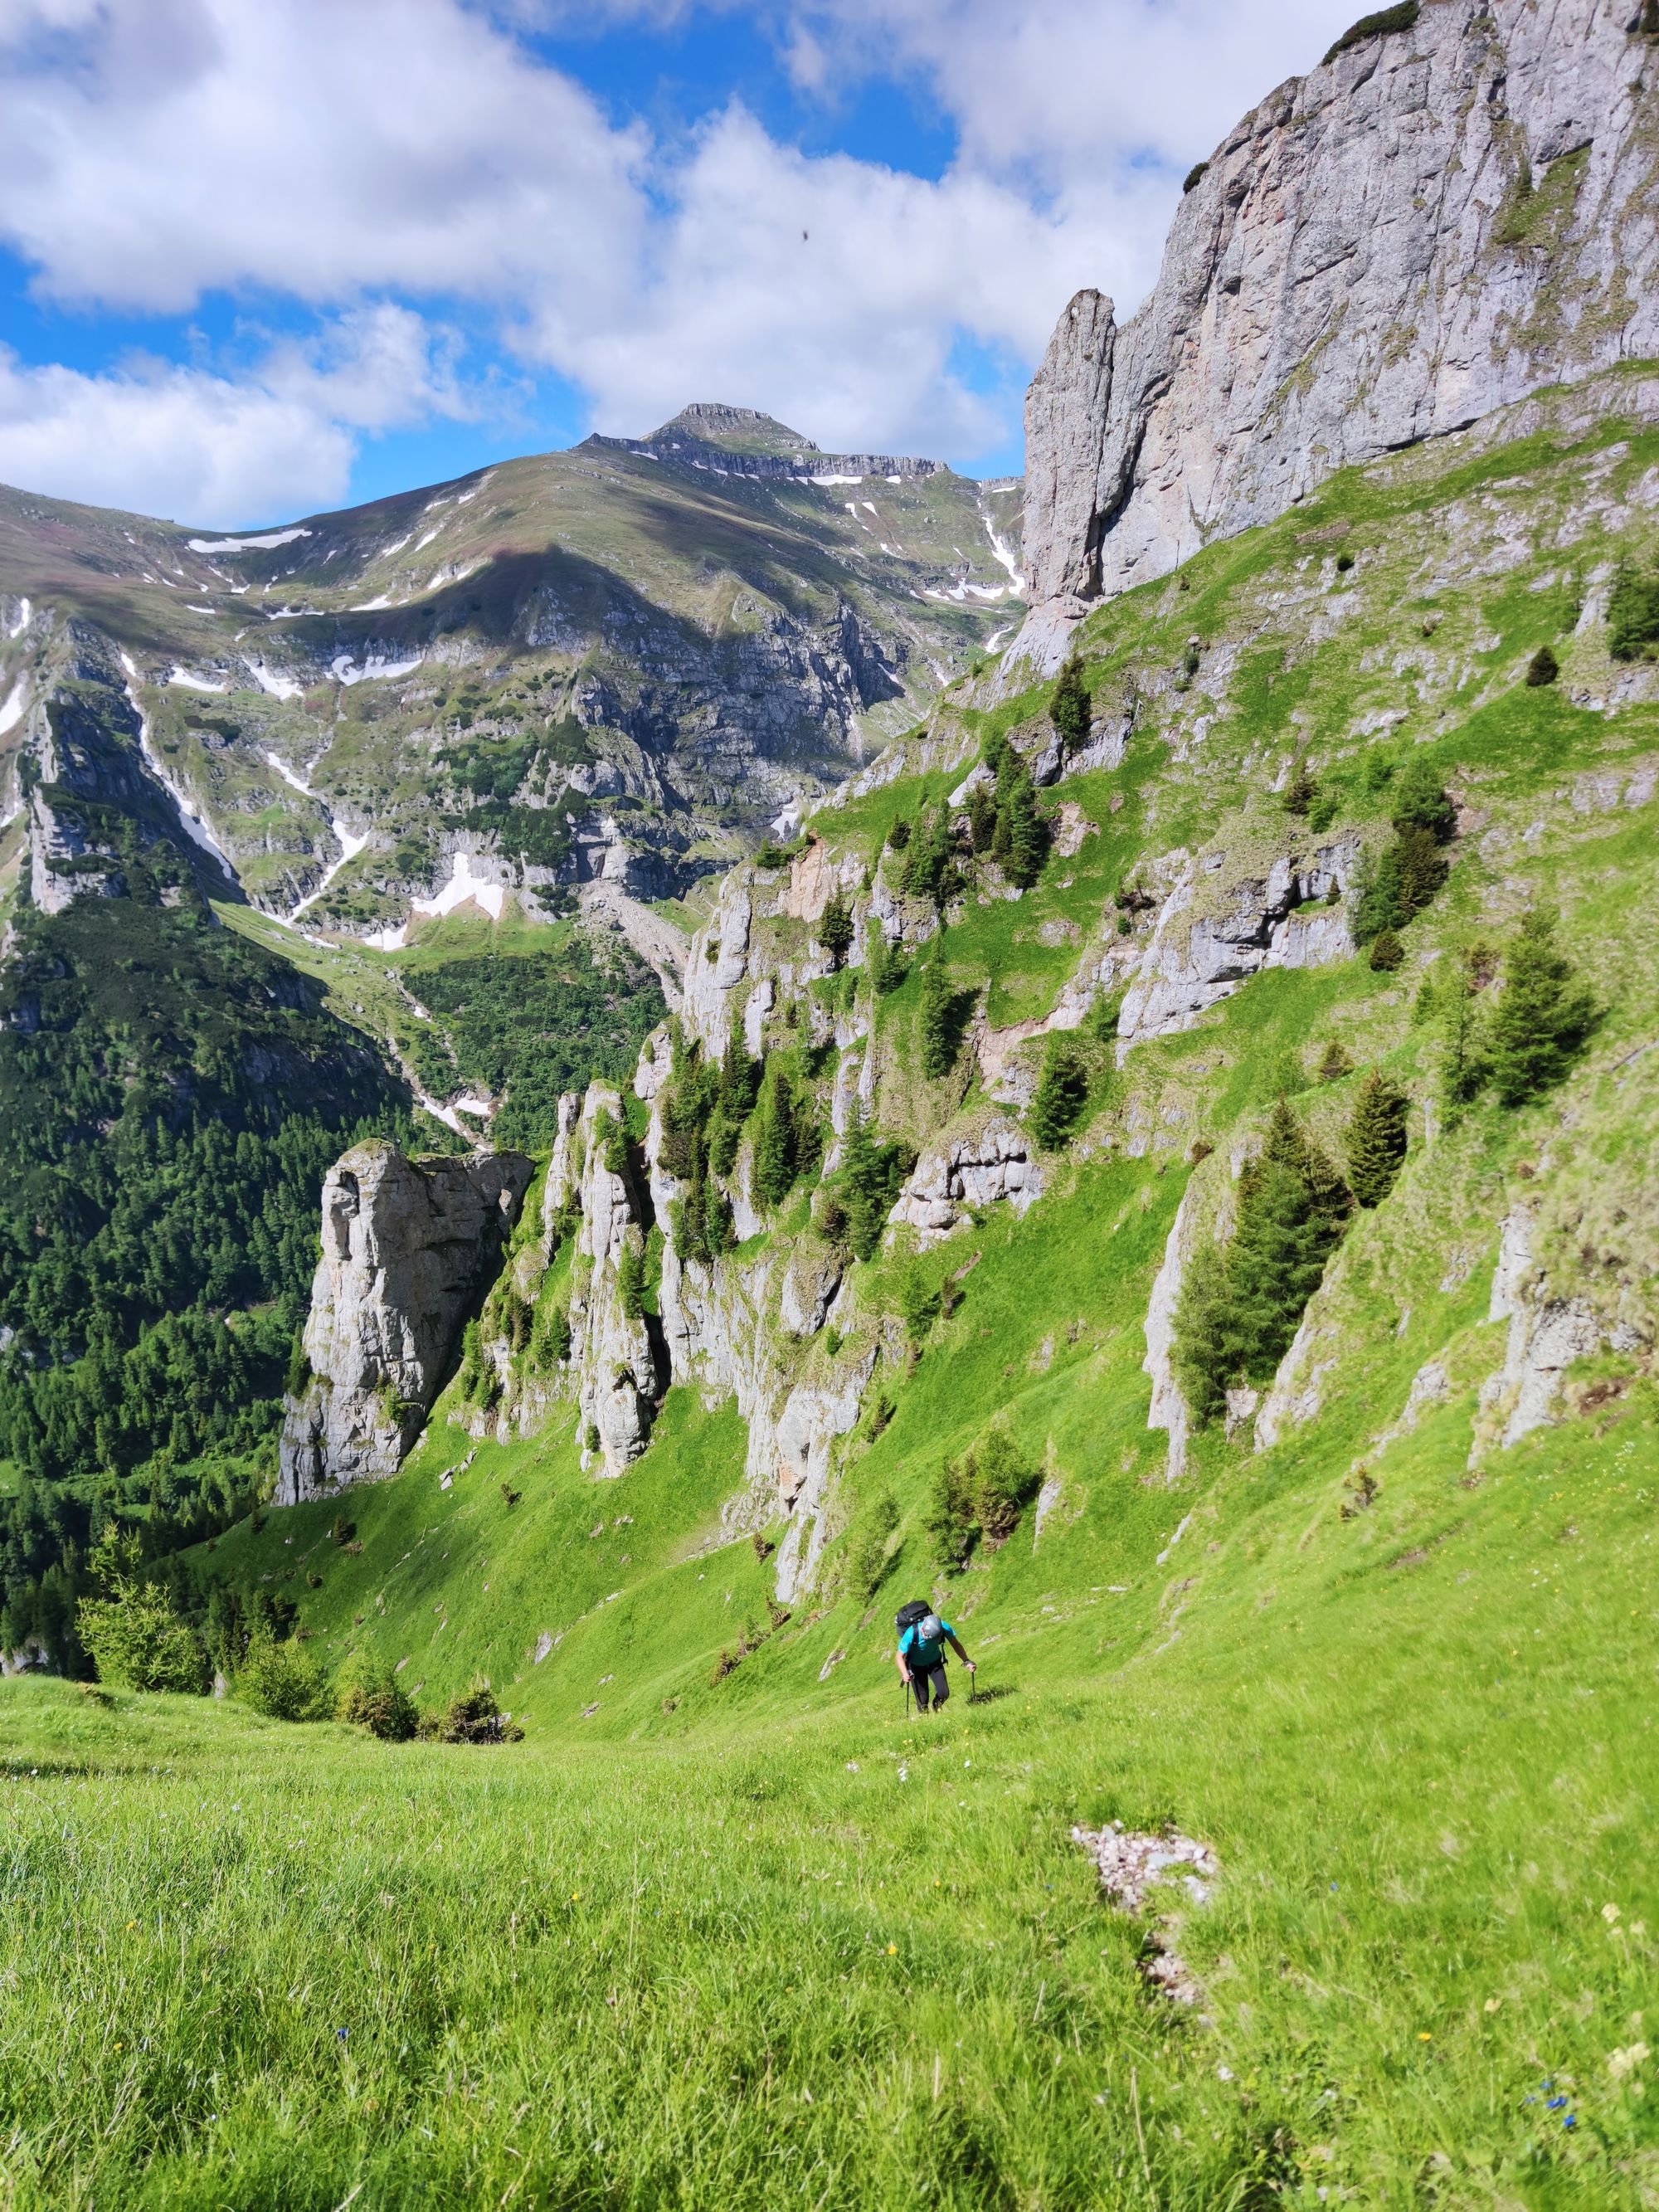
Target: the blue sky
pixel 256 260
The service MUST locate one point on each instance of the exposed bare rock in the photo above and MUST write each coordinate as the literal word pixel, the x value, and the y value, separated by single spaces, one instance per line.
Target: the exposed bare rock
pixel 1134 1868
pixel 1168 1409
pixel 982 1168
pixel 1383 251
pixel 1217 928
pixel 408 1245
pixel 1548 1333
pixel 622 1370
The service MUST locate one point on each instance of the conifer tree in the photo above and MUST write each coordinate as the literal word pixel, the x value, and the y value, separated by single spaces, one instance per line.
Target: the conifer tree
pixel 1205 1349
pixel 1544 1014
pixel 836 930
pixel 1543 668
pixel 1421 801
pixel 739 1077
pixel 934 1023
pixel 1027 839
pixel 865 1174
pixel 1464 1065
pixel 1387 953
pixel 774 1144
pixel 1301 791
pixel 1062 1092
pixel 1335 1063
pixel 1375 1140
pixel 1070 709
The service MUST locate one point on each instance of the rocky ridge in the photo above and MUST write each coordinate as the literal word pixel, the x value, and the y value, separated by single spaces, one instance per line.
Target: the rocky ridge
pixel 1431 224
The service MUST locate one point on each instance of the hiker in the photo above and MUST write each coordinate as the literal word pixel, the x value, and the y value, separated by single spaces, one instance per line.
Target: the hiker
pixel 922 1639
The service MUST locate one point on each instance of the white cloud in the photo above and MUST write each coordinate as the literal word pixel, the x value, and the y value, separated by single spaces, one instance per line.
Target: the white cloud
pixel 160 150
pixel 203 447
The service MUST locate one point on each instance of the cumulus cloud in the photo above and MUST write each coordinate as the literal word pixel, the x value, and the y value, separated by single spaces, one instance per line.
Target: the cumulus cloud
pixel 206 448
pixel 162 151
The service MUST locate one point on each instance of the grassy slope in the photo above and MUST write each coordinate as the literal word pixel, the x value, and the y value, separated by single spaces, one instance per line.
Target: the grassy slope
pixel 1419 1736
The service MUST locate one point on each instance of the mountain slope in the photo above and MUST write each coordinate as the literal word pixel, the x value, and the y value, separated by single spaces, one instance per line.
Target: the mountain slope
pixel 611 661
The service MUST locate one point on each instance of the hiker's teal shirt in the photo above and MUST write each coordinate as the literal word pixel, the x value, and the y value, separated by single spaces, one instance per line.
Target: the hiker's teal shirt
pixel 911 1648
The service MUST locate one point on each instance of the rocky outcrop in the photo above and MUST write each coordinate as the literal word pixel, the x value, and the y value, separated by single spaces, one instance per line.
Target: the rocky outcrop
pixel 408 1245
pixel 1168 1410
pixel 1219 927
pixel 1546 1333
pixel 1427 226
pixel 984 1168
pixel 622 1365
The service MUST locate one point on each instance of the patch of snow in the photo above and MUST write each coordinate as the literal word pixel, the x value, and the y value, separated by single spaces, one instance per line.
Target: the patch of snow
pixel 184 681
pixel 462 886
pixel 12 713
pixel 374 670
pixel 389 940
pixel 287 773
pixel 428 539
pixel 272 538
pixel 196 610
pixel 271 680
pixel 871 504
pixel 835 479
pixel 369 606
pixel 22 621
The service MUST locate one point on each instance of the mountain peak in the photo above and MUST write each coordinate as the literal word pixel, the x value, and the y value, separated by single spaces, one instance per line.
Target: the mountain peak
pixel 739 430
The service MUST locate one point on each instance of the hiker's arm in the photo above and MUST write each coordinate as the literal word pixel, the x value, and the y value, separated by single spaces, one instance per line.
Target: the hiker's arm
pixel 956 1646
pixel 904 1671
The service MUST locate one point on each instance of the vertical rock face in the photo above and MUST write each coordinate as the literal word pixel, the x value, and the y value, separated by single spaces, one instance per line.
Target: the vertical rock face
pixel 407 1246
pixel 621 1366
pixel 1431 224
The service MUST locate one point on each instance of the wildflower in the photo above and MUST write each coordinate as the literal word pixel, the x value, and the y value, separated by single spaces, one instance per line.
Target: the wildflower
pixel 1570 2119
pixel 1625 2061
pixel 1491 2004
pixel 1555 2104
pixel 340 2034
pixel 1422 2035
pixel 1610 1914
pixel 852 1766
pixel 892 1950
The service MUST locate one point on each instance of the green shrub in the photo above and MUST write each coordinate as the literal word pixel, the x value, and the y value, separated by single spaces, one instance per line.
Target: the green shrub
pixel 1003 1481
pixel 132 1635
pixel 368 1697
pixel 1543 668
pixel 283 1680
pixel 918 1302
pixel 473 1718
pixel 1387 953
pixel 1380 25
pixel 1194 177
pixel 1344 562
pixel 630 1279
pixel 949 1523
pixel 1301 791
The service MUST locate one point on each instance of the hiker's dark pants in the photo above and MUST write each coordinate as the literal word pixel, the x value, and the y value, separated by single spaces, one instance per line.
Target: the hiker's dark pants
pixel 922 1679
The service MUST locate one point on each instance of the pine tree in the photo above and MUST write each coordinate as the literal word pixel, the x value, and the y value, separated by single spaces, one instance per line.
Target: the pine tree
pixel 1543 668
pixel 1375 1140
pixel 836 930
pixel 739 1077
pixel 935 1021
pixel 1544 1014
pixel 1062 1092
pixel 1071 708
pixel 1464 1065
pixel 1301 791
pixel 981 817
pixel 1027 838
pixel 1335 1063
pixel 630 1279
pixel 1387 953
pixel 1421 801
pixel 1205 1348
pixel 774 1146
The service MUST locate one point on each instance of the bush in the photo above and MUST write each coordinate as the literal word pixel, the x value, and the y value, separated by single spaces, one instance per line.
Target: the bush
pixel 630 1277
pixel 1301 791
pixel 474 1717
pixel 949 1522
pixel 1421 801
pixel 981 1495
pixel 1380 25
pixel 138 1642
pixel 284 1682
pixel 1387 953
pixel 918 1302
pixel 1194 177
pixel 368 1698
pixel 1543 668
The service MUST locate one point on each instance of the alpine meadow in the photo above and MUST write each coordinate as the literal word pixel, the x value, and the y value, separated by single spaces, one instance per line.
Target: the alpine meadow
pixel 760 1040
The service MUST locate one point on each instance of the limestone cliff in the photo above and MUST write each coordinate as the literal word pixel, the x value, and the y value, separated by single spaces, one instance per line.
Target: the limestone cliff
pixel 1431 224
pixel 407 1247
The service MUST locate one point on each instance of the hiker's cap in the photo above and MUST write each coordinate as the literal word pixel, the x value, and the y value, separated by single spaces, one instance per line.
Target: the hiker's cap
pixel 932 1629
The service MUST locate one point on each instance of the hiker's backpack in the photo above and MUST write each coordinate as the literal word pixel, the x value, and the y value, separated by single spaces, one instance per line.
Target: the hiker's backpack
pixel 909 1616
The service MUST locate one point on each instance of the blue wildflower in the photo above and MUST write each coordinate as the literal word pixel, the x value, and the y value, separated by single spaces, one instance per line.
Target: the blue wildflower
pixel 1570 2120
pixel 1555 2104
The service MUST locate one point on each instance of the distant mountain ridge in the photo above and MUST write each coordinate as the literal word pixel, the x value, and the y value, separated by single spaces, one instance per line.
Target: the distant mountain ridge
pixel 739 441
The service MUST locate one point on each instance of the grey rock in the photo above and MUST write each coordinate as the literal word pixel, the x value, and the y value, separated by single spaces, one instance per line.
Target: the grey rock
pixel 1368 261
pixel 407 1246
pixel 986 1168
